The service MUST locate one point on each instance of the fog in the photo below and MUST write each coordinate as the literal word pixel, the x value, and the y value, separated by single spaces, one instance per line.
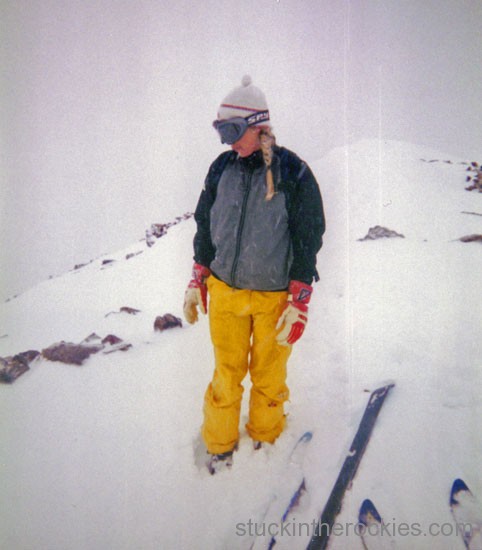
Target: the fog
pixel 107 106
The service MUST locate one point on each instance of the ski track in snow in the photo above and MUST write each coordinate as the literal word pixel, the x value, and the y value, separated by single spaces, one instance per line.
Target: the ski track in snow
pixel 103 455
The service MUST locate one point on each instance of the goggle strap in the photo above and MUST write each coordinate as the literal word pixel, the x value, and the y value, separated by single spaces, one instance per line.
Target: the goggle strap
pixel 256 118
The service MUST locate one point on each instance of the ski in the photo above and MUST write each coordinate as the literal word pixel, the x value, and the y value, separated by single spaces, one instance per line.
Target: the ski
pixel 371 528
pixel 320 538
pixel 467 512
pixel 288 495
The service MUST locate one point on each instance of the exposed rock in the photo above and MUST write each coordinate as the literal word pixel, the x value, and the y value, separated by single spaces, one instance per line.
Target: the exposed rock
pixel 471 238
pixel 132 254
pixel 91 338
pixel 112 339
pixel 379 232
pixel 115 344
pixel 69 353
pixel 476 179
pixel 65 352
pixel 167 321
pixel 124 309
pixel 474 167
pixel 108 344
pixel 472 213
pixel 28 356
pixel 158 230
pixel 13 367
pixel 76 354
pixel 129 310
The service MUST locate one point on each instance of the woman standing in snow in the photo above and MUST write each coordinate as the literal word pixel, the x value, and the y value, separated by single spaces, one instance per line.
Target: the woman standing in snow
pixel 260 223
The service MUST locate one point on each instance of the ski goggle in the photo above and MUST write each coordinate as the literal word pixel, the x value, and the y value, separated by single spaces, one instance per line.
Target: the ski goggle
pixel 233 129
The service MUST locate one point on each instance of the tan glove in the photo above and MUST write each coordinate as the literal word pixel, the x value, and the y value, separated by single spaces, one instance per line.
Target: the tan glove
pixel 294 317
pixel 196 294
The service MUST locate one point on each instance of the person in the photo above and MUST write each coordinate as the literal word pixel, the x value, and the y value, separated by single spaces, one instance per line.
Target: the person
pixel 260 223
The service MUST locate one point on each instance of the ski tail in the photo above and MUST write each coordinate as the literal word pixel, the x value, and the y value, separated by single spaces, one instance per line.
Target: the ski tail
pixel 368 513
pixel 467 513
pixel 457 486
pixel 372 530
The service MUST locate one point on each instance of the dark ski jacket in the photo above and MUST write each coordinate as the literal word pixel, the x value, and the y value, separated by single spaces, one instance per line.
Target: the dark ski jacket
pixel 253 243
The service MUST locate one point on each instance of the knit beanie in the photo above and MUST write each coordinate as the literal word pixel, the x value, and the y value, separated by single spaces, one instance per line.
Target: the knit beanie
pixel 243 101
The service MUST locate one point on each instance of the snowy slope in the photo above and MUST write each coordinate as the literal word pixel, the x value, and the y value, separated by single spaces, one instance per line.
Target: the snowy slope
pixel 102 456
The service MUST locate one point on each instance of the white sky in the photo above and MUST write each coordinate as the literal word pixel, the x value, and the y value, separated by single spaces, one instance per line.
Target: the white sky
pixel 106 106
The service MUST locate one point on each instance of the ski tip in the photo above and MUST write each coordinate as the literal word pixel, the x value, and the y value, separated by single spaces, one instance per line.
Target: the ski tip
pixel 458 486
pixel 386 385
pixel 368 513
pixel 380 393
pixel 306 436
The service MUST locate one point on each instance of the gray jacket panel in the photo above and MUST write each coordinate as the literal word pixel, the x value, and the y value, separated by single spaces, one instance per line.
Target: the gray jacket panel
pixel 250 235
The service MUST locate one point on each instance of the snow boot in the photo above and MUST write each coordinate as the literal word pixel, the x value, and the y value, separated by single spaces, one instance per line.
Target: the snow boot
pixel 217 462
pixel 257 445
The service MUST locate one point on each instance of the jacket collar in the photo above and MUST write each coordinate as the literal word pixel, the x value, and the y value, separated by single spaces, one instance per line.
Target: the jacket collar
pixel 255 160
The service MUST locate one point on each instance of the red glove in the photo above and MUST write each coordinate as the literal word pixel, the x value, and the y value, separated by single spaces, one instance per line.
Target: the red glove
pixel 295 314
pixel 196 293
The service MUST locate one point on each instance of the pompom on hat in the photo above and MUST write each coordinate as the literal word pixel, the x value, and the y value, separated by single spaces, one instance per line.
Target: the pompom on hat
pixel 244 101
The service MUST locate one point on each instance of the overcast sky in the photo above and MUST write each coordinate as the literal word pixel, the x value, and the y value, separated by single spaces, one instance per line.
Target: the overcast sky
pixel 106 106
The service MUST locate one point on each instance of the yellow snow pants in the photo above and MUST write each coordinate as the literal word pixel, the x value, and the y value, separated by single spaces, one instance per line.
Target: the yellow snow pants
pixel 243 331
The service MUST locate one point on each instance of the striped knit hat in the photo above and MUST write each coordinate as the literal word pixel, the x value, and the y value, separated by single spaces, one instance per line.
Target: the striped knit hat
pixel 243 101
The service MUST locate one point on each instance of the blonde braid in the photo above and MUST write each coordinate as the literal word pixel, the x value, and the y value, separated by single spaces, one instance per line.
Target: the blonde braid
pixel 267 142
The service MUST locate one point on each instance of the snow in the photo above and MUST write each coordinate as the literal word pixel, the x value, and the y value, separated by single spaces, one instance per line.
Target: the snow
pixel 104 455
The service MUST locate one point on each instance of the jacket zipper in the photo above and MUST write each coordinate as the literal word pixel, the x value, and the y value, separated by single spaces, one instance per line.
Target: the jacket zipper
pixel 240 228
